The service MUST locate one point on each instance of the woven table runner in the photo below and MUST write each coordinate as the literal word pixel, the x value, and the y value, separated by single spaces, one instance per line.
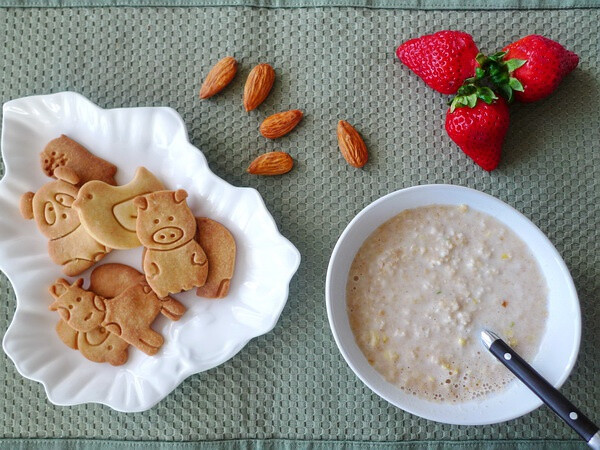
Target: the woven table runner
pixel 291 387
pixel 403 4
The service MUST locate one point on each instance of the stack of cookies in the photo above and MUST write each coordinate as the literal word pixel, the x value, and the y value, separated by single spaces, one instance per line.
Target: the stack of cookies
pixel 85 215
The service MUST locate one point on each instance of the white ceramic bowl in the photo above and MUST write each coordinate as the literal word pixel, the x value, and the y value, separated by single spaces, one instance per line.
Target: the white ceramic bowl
pixel 560 342
pixel 210 332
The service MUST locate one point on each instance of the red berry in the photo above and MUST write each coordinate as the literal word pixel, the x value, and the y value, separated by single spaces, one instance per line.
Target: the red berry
pixel 444 60
pixel 480 131
pixel 547 64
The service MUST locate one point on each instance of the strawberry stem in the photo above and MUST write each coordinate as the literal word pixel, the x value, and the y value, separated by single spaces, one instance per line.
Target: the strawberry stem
pixel 493 76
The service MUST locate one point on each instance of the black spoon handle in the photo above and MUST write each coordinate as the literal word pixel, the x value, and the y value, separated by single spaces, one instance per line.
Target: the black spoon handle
pixel 544 390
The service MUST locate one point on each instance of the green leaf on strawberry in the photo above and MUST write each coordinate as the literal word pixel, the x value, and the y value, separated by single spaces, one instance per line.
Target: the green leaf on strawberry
pixel 515 84
pixel 506 92
pixel 514 64
pixel 469 93
pixel 495 73
pixel 471 100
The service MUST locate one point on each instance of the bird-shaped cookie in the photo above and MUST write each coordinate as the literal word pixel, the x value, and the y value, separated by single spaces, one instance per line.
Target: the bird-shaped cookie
pixel 108 213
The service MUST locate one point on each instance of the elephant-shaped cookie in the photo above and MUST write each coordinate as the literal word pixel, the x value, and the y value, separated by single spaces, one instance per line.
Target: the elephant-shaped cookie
pixel 65 152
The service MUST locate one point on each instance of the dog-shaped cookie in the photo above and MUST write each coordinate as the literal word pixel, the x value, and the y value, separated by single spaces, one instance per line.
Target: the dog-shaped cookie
pixel 69 245
pixel 173 260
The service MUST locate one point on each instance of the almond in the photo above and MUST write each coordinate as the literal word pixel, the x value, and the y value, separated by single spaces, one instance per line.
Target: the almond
pixel 352 146
pixel 219 76
pixel 280 124
pixel 258 85
pixel 273 163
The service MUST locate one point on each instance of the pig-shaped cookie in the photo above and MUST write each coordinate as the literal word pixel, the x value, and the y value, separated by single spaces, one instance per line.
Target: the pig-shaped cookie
pixel 173 260
pixel 69 243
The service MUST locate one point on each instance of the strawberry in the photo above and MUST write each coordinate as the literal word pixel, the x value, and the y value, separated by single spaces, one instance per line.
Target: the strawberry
pixel 479 129
pixel 547 63
pixel 443 59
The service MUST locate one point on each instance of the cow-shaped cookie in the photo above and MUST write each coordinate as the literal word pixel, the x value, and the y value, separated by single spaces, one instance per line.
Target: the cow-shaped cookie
pixel 128 315
pixel 82 310
pixel 97 345
pixel 69 243
pixel 173 260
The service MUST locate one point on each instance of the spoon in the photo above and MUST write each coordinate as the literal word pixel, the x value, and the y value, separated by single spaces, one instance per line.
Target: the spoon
pixel 544 390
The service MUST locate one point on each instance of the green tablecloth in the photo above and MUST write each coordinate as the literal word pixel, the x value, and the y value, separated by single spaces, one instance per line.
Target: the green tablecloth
pixel 291 387
pixel 404 4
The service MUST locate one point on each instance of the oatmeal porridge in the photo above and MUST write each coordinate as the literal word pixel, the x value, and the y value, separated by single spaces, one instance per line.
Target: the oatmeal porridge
pixel 425 283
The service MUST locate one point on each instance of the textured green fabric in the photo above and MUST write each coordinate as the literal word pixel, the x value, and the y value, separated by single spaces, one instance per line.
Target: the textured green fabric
pixel 279 444
pixel 402 4
pixel 292 383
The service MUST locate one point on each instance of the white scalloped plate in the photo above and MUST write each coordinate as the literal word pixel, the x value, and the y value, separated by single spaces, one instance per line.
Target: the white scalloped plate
pixel 211 331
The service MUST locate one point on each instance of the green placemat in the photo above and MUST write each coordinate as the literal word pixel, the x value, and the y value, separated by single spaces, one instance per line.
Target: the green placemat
pixel 403 4
pixel 293 384
pixel 281 444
